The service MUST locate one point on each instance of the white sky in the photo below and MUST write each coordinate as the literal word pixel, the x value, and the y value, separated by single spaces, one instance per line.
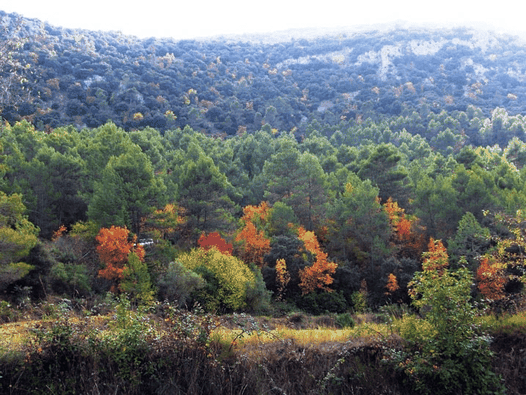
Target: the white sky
pixel 183 19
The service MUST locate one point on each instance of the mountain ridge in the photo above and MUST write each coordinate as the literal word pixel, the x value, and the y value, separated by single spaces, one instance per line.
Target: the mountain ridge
pixel 224 86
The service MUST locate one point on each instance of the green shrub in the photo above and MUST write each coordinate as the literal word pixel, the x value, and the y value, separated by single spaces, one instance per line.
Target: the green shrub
pixel 444 353
pixel 322 302
pixel 345 320
pixel 69 278
pixel 227 279
pixel 178 283
pixel 136 281
pixel 359 301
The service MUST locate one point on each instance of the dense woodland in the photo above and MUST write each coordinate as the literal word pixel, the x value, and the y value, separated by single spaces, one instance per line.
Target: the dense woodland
pixel 325 174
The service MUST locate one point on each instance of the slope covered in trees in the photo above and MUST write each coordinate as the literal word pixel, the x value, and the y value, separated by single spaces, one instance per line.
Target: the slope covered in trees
pixel 227 86
pixel 360 172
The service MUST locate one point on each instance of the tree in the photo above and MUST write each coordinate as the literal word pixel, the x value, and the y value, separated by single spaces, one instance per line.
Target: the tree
pixel 470 241
pixel 282 172
pixel 436 204
pixel 163 222
pixel 384 170
pixel 282 277
pixel 319 274
pixel 358 226
pixel 436 259
pixel 135 280
pixel 214 240
pixel 392 284
pixel 228 280
pixel 443 363
pixel 114 248
pixel 406 237
pixel 126 192
pixel 255 245
pixel 17 237
pixel 14 70
pixel 203 192
pixel 178 284
pixel 310 195
pixel 490 280
pixel 55 181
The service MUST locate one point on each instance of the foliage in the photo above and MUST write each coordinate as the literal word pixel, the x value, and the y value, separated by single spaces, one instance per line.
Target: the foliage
pixel 392 284
pixel 227 279
pixel 490 280
pixel 71 278
pixel 318 275
pixel 214 240
pixel 436 259
pixel 135 281
pixel 178 284
pixel 282 277
pixel 345 320
pixel 114 247
pixel 407 238
pixel 359 298
pixel 317 303
pixel 163 221
pixel 17 237
pixel 449 356
pixel 254 242
pixel 470 241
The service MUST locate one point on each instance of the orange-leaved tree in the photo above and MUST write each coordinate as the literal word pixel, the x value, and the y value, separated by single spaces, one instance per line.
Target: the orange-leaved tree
pixel 392 284
pixel 214 239
pixel 490 280
pixel 319 274
pixel 436 258
pixel 406 236
pixel 115 245
pixel 254 242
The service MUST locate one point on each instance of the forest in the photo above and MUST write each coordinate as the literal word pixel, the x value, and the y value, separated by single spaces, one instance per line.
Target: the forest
pixel 172 184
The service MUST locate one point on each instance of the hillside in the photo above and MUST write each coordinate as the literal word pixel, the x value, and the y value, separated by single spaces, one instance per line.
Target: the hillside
pixel 372 183
pixel 228 85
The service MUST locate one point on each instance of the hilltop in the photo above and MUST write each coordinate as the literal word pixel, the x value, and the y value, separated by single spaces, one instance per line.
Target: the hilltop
pixel 232 84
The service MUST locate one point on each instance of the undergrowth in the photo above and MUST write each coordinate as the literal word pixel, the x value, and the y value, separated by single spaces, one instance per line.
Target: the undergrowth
pixel 165 350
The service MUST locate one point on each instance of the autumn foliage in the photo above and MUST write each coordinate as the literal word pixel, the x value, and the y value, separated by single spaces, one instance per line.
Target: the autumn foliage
pixel 436 259
pixel 163 221
pixel 392 284
pixel 254 242
pixel 490 281
pixel 406 236
pixel 319 274
pixel 114 247
pixel 282 277
pixel 215 240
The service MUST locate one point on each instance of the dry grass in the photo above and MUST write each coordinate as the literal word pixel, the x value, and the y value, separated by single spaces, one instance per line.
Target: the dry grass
pixel 14 335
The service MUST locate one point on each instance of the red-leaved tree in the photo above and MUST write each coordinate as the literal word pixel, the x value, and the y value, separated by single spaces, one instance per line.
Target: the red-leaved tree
pixel 490 281
pixel 114 247
pixel 214 239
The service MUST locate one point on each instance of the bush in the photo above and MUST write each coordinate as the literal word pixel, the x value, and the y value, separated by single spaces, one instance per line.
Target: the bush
pixel 178 283
pixel 227 279
pixel 445 354
pixel 345 320
pixel 70 279
pixel 322 303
